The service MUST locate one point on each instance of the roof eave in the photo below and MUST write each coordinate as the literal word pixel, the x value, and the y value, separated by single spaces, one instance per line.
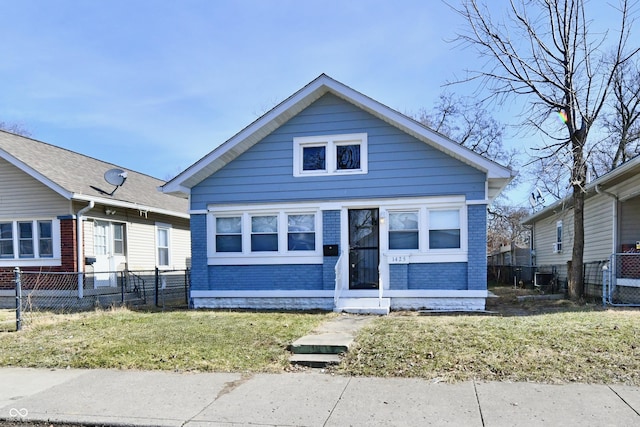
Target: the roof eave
pixel 128 205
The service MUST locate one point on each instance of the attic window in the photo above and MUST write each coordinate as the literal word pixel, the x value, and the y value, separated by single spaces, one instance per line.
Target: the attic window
pixel 330 155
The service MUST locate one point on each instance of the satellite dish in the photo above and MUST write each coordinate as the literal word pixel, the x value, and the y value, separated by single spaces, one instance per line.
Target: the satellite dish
pixel 115 177
pixel 536 199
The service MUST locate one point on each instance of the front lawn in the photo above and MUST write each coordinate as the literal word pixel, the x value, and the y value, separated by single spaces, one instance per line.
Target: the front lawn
pixel 179 340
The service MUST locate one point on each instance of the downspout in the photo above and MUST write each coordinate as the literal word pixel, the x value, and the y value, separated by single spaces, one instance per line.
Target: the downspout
pixel 599 190
pixel 79 248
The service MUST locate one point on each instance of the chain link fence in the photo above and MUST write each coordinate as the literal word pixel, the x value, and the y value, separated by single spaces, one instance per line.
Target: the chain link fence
pixel 621 280
pixel 42 294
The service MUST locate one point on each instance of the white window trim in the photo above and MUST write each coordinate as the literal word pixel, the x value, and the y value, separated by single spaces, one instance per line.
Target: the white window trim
pixel 163 226
pixel 424 254
pixel 331 142
pixel 557 245
pixel 50 261
pixel 282 256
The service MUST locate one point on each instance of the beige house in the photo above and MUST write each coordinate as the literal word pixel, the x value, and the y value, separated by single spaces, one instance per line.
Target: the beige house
pixel 612 222
pixel 58 213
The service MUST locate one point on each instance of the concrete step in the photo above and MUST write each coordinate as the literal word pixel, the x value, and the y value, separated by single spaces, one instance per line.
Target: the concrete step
pixel 379 306
pixel 327 343
pixel 315 360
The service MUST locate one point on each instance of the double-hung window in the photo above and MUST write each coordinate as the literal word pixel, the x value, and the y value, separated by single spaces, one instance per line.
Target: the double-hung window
pixel 163 244
pixel 28 240
pixel 330 155
pixel 444 229
pixel 258 234
pixel 404 230
pixel 557 246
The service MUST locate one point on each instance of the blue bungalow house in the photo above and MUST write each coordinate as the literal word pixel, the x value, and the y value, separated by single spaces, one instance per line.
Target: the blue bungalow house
pixel 335 201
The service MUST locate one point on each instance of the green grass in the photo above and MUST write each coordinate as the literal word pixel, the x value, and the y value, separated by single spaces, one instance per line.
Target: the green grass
pixel 180 340
pixel 589 347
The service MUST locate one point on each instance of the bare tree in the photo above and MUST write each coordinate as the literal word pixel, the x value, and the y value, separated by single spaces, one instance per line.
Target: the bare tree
pixel 469 123
pixel 14 128
pixel 505 227
pixel 544 54
pixel 622 122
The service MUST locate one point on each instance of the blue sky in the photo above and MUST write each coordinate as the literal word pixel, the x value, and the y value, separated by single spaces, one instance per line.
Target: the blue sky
pixel 154 85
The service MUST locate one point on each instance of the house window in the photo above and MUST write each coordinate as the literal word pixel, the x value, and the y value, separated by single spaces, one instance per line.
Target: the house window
pixel 118 239
pixel 444 229
pixel 330 155
pixel 28 239
pixel 229 234
pixel 25 239
pixel 6 240
pixel 264 233
pixel 301 235
pixel 45 239
pixel 403 230
pixel 557 246
pixel 314 158
pixel 260 234
pixel 163 244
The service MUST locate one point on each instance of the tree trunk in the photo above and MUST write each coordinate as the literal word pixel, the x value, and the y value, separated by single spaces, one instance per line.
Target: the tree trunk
pixel 576 279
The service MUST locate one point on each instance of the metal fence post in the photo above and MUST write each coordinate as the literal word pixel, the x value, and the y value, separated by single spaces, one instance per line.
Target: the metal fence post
pixel 157 285
pixel 16 273
pixel 605 284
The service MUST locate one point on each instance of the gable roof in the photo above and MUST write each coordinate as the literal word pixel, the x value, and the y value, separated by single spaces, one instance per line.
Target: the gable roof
pixel 498 176
pixel 602 184
pixel 78 177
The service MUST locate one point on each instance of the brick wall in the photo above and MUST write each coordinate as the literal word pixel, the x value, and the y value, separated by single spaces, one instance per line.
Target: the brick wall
pixel 449 276
pixel 330 236
pixel 477 265
pixel 266 277
pixel 199 268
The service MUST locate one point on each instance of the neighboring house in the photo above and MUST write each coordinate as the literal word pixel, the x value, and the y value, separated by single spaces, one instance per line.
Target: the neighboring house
pixel 611 221
pixel 510 254
pixel 332 200
pixel 58 214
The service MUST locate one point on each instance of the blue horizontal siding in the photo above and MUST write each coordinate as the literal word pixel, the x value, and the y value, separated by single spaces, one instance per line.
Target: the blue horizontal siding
pixel 265 277
pixel 399 164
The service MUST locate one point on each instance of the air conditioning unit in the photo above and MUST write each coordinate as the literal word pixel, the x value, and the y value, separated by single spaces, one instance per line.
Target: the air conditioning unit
pixel 557 247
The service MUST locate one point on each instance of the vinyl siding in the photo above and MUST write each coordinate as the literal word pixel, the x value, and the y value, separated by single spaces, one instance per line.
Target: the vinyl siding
pixel 22 196
pixel 141 244
pixel 545 237
pixel 598 227
pixel 399 165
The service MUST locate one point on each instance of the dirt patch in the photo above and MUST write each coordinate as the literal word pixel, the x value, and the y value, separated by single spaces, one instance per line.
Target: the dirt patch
pixel 510 301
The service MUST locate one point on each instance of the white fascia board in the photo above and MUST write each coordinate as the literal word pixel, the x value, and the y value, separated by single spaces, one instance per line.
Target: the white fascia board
pixel 36 175
pixel 129 205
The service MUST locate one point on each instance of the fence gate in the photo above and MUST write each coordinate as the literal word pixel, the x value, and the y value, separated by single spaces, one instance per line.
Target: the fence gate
pixel 621 280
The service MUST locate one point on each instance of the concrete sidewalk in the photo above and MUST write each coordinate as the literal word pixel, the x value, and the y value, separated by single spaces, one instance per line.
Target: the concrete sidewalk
pixel 303 399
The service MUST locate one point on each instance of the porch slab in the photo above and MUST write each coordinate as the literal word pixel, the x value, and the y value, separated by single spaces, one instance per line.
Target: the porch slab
pixel 327 343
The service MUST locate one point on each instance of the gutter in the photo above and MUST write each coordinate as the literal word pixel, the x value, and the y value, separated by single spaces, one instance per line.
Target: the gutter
pixel 79 248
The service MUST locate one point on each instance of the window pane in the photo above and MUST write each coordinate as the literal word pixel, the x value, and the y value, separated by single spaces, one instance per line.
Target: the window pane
pixel 314 158
pixel 444 239
pixel 302 241
pixel 6 230
pixel 229 243
pixel 6 240
pixel 403 221
pixel 264 242
pixel 444 220
pixel 403 240
pixel 229 225
pixel 163 256
pixel 45 244
pixel 301 222
pixel 6 248
pixel 117 231
pixel 163 237
pixel 264 224
pixel 348 157
pixel 25 231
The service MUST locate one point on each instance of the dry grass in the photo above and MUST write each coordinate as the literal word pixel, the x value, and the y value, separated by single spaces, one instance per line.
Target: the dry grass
pixel 551 341
pixel 180 340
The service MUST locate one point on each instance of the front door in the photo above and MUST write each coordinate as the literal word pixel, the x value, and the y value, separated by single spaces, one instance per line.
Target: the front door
pixel 108 248
pixel 363 249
